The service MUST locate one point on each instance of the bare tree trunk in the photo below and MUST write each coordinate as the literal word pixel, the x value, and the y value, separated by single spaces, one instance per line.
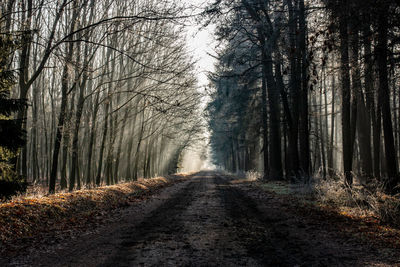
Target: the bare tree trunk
pixel 394 103
pixel 384 95
pixel 331 143
pixel 60 126
pixel 25 82
pixel 264 125
pixel 128 174
pixel 294 94
pixel 373 116
pixel 364 138
pixel 66 139
pixel 321 128
pixel 95 111
pixel 110 151
pixel 119 149
pixel 304 123
pixel 64 90
pixel 358 114
pixel 34 138
pixel 24 77
pixel 136 161
pixel 275 158
pixel 75 138
pixel 79 109
pixel 47 151
pixel 346 94
pixel 103 142
pixel 89 179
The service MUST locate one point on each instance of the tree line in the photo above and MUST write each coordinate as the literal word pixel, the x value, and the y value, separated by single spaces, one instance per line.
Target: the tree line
pixel 110 90
pixel 307 88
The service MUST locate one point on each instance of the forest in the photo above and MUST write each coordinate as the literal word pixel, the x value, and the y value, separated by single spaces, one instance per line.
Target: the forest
pixel 127 140
pixel 101 91
pixel 308 89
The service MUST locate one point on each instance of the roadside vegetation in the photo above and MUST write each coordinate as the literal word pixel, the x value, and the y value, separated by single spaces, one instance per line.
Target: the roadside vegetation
pixel 27 216
pixel 374 215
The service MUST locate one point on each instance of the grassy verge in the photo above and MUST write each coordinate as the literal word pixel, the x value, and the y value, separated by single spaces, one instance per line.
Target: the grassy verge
pixel 357 201
pixel 372 217
pixel 24 217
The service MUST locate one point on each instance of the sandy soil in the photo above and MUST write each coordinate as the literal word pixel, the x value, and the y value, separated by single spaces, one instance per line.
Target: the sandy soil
pixel 209 220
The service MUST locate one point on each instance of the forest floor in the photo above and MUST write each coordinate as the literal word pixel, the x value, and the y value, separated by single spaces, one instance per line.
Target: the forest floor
pixel 213 219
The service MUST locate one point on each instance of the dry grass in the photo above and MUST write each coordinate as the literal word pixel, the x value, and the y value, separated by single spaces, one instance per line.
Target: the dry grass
pixel 42 190
pixel 25 216
pixel 358 211
pixel 243 177
pixel 360 200
pixel 253 176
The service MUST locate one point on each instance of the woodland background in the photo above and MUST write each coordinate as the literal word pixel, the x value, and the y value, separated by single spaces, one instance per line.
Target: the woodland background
pixel 106 91
pixel 109 90
pixel 312 86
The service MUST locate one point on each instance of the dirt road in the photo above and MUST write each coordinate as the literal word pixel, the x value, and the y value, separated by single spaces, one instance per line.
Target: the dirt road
pixel 209 220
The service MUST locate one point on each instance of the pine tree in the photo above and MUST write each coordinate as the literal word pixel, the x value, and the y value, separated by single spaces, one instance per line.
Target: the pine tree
pixel 11 137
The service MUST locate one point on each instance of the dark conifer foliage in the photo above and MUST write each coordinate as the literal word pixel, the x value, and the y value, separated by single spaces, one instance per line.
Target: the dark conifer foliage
pixel 324 80
pixel 11 136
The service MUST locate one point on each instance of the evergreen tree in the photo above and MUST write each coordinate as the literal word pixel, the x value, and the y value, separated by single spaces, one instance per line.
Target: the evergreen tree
pixel 11 137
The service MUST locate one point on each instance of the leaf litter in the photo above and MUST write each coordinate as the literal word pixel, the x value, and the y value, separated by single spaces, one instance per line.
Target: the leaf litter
pixel 26 218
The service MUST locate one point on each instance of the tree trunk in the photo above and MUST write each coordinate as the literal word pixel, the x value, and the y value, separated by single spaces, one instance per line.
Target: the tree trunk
pixel 322 128
pixel 24 77
pixel 91 139
pixel 304 123
pixel 264 124
pixel 119 149
pixel 373 116
pixel 136 161
pixel 103 142
pixel 75 138
pixel 60 128
pixel 128 174
pixel 346 95
pixel 384 95
pixel 275 158
pixel 331 142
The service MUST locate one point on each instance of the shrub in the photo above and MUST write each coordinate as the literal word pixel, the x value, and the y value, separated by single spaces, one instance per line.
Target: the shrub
pixel 361 199
pixel 13 187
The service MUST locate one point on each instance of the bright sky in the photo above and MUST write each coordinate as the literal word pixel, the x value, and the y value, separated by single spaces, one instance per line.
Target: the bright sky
pixel 201 41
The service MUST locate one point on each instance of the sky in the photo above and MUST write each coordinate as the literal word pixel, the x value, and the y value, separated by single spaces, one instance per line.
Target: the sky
pixel 201 44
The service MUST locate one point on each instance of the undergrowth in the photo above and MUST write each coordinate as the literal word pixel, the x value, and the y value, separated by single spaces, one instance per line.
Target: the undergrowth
pixel 364 200
pixel 357 200
pixel 27 215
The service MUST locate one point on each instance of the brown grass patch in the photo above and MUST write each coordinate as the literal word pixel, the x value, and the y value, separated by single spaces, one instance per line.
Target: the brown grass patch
pixel 369 216
pixel 25 216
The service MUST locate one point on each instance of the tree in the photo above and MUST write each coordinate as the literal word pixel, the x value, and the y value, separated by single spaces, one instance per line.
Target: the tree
pixel 89 77
pixel 299 51
pixel 11 136
pixel 384 100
